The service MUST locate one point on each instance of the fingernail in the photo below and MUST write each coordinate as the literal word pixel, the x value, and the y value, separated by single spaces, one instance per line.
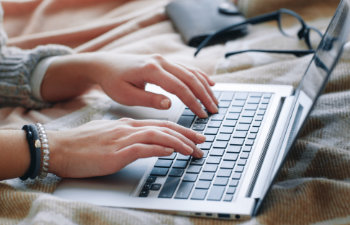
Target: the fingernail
pixel 165 103
pixel 215 107
pixel 189 150
pixel 169 150
pixel 200 137
pixel 204 114
pixel 199 153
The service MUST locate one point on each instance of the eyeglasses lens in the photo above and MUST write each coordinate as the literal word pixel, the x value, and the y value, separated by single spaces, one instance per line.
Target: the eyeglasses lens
pixel 289 25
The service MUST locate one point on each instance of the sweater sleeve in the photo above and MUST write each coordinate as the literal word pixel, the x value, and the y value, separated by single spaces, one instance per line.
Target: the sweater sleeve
pixel 16 69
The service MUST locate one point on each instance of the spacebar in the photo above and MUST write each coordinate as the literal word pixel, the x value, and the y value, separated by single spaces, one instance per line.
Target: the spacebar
pixel 169 187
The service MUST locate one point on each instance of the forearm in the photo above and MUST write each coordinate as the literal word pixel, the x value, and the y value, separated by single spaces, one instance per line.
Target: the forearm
pixel 67 77
pixel 14 154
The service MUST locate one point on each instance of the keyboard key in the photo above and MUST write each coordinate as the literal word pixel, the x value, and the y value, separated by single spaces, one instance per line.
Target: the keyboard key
pixel 207 176
pixel 180 164
pixel 259 118
pixel 236 176
pixel 202 120
pixel 244 155
pixel 247 120
pixel 169 187
pixel 199 194
pixel 223 137
pixel 237 102
pixel 222 111
pixel 224 104
pixel 220 144
pixel 252 136
pixel 233 149
pixel 231 190
pixel 232 116
pixel 197 161
pixel 214 124
pixel 265 101
pixel 228 198
pixel 175 172
pixel 241 162
pixel 213 160
pixel 159 171
pixel 209 138
pixel 233 183
pixel 261 112
pixel 254 130
pixel 248 113
pixel 237 141
pixel 210 168
pixel 263 106
pixel 239 134
pixel 186 121
pixel 256 124
pixel 216 193
pixel 235 109
pixel 205 145
pixel 217 152
pixel 229 123
pixel 190 177
pixel 203 184
pixel 194 169
pixel 151 179
pixel 226 96
pixel 163 163
pixel 267 95
pixel 184 190
pixel 226 130
pixel 253 107
pixel 227 164
pixel 241 95
pixel 155 187
pixel 244 127
pixel 187 112
pixel 224 173
pixel 211 131
pixel 144 193
pixel 230 157
pixel 249 142
pixel 246 148
pixel 218 117
pixel 239 168
pixel 221 181
pixel 198 127
pixel 253 100
pixel 183 157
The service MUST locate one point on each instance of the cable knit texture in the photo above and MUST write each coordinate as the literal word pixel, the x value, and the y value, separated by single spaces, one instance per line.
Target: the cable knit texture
pixel 16 67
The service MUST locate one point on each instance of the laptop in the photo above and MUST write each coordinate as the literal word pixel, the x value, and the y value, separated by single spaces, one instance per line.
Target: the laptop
pixel 247 143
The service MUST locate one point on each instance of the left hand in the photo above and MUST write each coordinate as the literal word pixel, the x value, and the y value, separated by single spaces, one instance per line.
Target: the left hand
pixel 124 77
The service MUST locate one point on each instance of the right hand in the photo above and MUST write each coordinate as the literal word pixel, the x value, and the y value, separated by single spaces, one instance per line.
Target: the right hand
pixel 103 147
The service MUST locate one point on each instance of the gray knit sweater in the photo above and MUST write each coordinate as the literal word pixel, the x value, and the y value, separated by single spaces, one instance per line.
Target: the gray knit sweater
pixel 16 68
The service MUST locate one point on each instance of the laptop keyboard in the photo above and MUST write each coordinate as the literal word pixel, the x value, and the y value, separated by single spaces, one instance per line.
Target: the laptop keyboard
pixel 230 136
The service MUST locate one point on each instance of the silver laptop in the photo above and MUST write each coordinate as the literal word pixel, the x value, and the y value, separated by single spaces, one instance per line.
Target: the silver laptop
pixel 247 142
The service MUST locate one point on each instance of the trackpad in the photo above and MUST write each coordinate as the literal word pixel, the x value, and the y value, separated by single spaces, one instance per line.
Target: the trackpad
pixel 110 188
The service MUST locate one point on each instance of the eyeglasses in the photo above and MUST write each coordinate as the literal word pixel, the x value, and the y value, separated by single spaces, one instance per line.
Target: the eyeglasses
pixel 284 17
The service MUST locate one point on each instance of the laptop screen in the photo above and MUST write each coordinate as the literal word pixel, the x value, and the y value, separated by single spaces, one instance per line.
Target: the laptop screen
pixel 323 62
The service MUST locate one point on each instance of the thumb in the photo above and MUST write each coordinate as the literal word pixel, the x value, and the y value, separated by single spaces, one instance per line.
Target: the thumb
pixel 141 97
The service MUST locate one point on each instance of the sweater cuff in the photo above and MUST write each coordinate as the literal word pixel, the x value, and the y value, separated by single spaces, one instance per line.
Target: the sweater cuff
pixel 38 75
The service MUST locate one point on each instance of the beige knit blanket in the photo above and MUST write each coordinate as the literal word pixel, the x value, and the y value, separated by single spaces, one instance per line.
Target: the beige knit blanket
pixel 313 186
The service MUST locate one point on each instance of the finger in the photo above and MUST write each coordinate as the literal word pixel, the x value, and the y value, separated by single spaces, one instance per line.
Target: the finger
pixel 140 97
pixel 206 77
pixel 174 85
pixel 194 84
pixel 157 137
pixel 136 151
pixel 206 85
pixel 190 134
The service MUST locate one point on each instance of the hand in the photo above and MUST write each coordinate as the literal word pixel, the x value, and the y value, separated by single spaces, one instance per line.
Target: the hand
pixel 124 77
pixel 104 147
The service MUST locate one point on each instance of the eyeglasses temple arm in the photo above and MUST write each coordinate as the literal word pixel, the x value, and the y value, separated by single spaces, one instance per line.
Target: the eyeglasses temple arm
pixel 297 53
pixel 259 19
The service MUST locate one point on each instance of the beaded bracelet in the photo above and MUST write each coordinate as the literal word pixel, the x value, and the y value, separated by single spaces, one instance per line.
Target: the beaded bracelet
pixel 45 150
pixel 35 152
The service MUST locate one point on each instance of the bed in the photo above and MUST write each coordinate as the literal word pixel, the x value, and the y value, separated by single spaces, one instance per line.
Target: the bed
pixel 313 187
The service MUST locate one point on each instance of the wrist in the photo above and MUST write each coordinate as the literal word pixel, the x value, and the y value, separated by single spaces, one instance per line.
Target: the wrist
pixel 67 77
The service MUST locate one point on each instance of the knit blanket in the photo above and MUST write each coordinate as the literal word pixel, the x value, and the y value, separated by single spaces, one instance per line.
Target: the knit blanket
pixel 313 186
